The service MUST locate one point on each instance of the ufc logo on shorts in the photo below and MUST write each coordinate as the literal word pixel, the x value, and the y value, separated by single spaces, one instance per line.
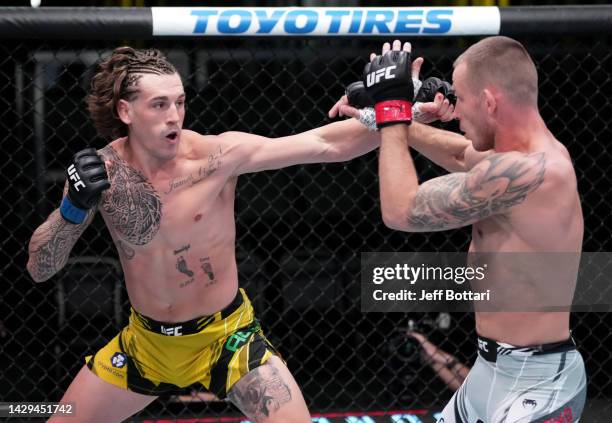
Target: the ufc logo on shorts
pixel 483 345
pixel 172 331
pixel 374 77
pixel 72 173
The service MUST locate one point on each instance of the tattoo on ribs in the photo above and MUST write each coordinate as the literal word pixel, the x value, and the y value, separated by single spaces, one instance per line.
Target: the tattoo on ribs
pixel 132 204
pixel 459 199
pixel 207 267
pixel 182 249
pixel 260 392
pixel 181 266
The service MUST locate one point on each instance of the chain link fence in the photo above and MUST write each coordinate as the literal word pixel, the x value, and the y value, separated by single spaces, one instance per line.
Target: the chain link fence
pixel 300 231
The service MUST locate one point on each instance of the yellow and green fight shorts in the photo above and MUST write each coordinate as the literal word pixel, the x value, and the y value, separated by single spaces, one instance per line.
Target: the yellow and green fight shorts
pixel 154 358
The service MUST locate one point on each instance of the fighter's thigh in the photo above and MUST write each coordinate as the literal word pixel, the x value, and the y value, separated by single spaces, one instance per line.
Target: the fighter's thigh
pixel 98 401
pixel 269 394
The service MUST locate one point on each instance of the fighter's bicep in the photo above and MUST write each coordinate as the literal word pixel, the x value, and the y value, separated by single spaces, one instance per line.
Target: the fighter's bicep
pixel 252 153
pixel 493 186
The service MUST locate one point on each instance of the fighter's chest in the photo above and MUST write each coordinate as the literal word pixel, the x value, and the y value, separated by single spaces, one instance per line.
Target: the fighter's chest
pixel 492 229
pixel 138 209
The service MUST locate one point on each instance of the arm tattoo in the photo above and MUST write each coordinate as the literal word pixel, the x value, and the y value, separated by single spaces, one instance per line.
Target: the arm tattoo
pixel 132 204
pixel 51 244
pixel 497 183
pixel 260 392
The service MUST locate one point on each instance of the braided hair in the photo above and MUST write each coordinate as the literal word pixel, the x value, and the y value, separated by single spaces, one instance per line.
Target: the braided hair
pixel 116 79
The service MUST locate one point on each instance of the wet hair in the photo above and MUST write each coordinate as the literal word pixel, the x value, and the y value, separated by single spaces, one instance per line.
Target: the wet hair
pixel 503 62
pixel 117 78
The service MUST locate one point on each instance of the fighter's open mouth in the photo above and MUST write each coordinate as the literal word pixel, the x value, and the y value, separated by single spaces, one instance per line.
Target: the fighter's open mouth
pixel 172 135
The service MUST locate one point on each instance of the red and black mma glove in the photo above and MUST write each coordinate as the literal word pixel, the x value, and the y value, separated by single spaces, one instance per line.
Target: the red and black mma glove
pixel 388 81
pixel 87 178
pixel 358 97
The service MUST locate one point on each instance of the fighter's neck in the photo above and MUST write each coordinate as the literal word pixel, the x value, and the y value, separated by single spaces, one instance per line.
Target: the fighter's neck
pixel 149 165
pixel 524 132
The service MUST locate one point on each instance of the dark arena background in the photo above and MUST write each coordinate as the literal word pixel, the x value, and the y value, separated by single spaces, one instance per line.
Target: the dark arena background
pixel 300 230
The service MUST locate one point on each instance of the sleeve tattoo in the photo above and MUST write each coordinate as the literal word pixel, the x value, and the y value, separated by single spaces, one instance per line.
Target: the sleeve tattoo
pixel 51 245
pixel 496 184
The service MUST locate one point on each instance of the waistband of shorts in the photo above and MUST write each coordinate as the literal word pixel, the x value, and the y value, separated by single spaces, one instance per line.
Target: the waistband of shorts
pixel 189 327
pixel 490 349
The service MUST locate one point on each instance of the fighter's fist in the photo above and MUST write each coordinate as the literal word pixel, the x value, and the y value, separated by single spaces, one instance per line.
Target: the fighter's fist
pixel 388 81
pixel 87 178
pixel 431 86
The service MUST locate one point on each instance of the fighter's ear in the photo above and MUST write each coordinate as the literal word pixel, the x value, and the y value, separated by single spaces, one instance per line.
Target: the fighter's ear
pixel 124 111
pixel 490 101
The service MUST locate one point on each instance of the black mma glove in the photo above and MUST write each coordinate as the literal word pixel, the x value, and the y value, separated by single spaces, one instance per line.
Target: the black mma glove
pixel 87 179
pixel 388 81
pixel 431 86
pixel 357 95
pixel 359 98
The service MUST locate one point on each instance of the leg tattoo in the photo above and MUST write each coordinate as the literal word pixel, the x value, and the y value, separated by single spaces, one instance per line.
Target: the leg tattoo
pixel 260 392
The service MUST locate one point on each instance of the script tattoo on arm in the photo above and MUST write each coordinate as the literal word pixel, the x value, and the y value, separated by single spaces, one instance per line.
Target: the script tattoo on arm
pixel 51 244
pixel 133 206
pixel 260 392
pixel 496 184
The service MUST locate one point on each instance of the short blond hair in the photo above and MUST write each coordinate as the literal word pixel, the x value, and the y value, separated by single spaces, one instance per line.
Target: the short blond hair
pixel 504 63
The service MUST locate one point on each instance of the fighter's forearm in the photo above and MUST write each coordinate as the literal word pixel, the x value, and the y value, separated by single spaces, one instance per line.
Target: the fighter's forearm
pixel 348 139
pixel 397 176
pixel 51 244
pixel 446 149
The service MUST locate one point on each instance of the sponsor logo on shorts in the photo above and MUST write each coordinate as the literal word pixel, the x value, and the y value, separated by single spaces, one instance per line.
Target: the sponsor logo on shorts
pixel 118 360
pixel 109 369
pixel 483 345
pixel 236 340
pixel 172 330
pixel 529 403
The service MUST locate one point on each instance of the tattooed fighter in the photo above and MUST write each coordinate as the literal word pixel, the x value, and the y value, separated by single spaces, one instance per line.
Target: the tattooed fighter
pixel 515 184
pixel 167 197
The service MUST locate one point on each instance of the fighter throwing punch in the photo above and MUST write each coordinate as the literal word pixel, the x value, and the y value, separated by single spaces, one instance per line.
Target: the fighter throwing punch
pixel 166 195
pixel 515 184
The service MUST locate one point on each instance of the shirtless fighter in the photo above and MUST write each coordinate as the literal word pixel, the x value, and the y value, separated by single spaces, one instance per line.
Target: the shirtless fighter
pixel 515 184
pixel 167 196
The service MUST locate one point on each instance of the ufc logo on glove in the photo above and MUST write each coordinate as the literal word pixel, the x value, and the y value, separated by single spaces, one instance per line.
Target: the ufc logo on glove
pixel 73 174
pixel 388 82
pixel 374 77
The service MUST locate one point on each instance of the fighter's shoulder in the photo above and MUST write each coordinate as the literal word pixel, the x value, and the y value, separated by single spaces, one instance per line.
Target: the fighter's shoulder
pixel 111 150
pixel 502 163
pixel 202 144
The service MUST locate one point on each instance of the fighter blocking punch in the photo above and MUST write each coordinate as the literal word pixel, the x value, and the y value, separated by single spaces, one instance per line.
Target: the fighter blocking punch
pixel 425 93
pixel 509 169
